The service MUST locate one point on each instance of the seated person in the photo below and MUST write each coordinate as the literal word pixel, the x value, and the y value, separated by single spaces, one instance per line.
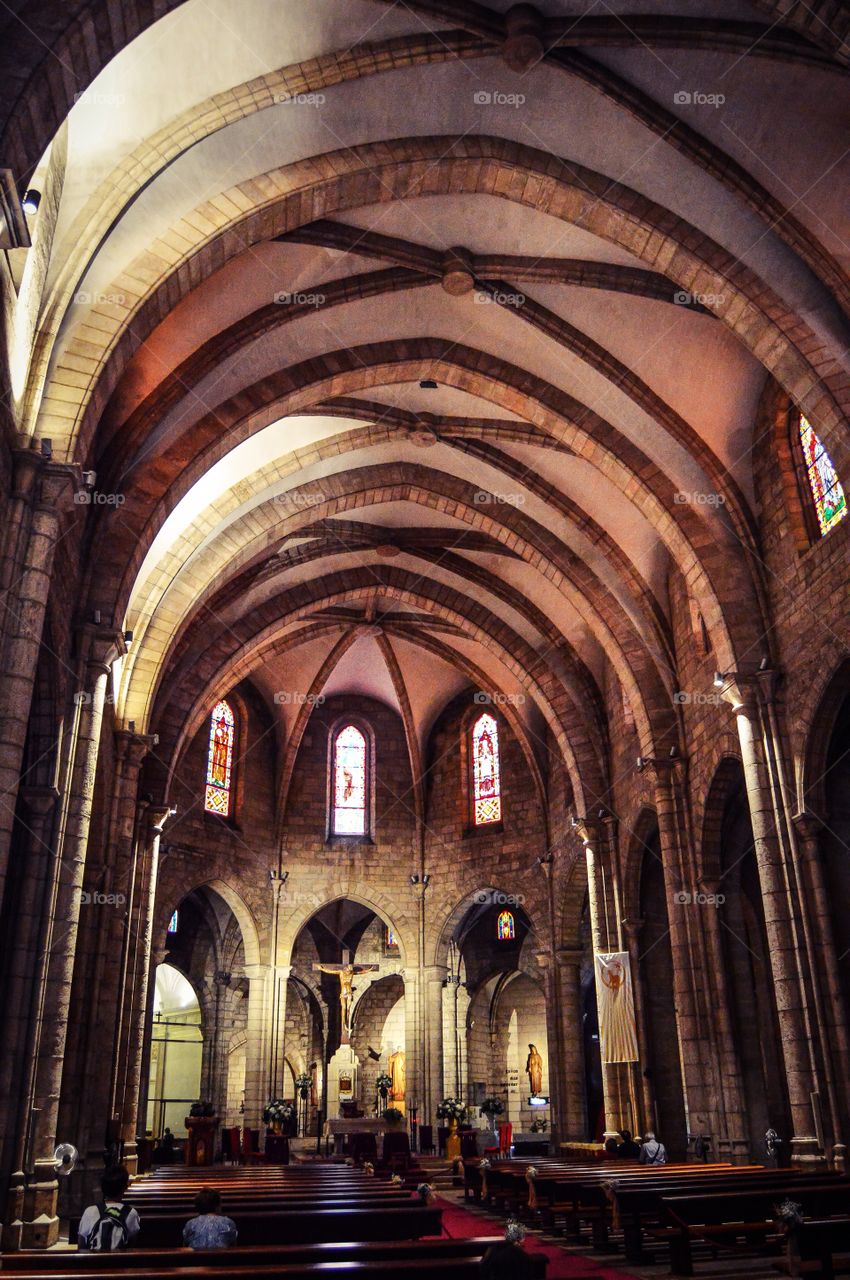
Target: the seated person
pixel 114 1224
pixel 210 1229
pixel 628 1148
pixel 612 1146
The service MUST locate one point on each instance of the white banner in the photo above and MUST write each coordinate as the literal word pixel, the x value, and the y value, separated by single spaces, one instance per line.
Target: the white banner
pixel 616 1005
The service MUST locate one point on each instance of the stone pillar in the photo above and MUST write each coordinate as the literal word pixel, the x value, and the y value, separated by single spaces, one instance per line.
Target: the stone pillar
pixel 24 942
pixel 615 1075
pixel 434 981
pixel 836 1039
pixel 571 1118
pixel 138 970
pixel 99 650
pixel 280 975
pixel 645 1093
pixel 257 1078
pixel 417 1086
pixel 783 936
pixel 42 492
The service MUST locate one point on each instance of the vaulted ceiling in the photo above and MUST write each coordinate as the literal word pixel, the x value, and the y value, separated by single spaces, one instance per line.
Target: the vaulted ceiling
pixel 418 341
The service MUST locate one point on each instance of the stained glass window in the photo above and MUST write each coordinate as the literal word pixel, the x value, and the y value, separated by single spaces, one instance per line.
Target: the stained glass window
pixel 505 926
pixel 827 493
pixel 486 779
pixel 217 796
pixel 174 922
pixel 389 937
pixel 349 783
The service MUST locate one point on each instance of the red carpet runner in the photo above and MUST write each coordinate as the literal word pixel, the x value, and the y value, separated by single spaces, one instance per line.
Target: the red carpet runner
pixel 460 1224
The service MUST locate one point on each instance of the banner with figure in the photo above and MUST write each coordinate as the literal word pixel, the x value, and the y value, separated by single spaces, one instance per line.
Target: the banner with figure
pixel 615 1001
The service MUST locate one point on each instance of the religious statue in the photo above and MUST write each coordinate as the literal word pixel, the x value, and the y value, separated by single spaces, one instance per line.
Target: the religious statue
pixel 396 1066
pixel 346 974
pixel 534 1069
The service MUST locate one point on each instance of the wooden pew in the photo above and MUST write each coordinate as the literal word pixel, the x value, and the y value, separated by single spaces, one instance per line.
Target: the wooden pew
pixel 451 1267
pixel 810 1248
pixel 723 1218
pixel 307 1226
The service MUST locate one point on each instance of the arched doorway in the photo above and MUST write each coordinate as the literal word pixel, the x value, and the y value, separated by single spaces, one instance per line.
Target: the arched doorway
pixel 176 1049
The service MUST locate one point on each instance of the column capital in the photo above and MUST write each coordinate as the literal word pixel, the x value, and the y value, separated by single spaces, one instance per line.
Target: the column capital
pixel 570 956
pixel 58 482
pixel 633 927
pixel 744 690
pixel 26 465
pixel 589 829
pixel 39 800
pixel 102 646
pixel 808 824
pixel 133 747
pixel 157 815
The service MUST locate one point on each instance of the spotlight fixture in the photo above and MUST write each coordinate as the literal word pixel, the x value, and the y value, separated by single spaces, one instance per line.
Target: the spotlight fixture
pixel 31 201
pixel 719 679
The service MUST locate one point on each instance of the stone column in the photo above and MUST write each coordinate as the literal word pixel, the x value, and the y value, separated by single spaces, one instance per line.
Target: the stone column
pixel 784 942
pixel 100 649
pixel 138 970
pixel 24 941
pixel 571 1118
pixel 648 1116
pixel 825 968
pixel 416 1084
pixel 277 1028
pixel 257 1080
pixel 434 981
pixel 615 1079
pixel 42 492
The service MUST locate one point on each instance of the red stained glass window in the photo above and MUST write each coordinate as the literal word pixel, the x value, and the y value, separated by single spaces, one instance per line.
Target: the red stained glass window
pixel 505 927
pixel 827 493
pixel 486 773
pixel 217 794
pixel 349 783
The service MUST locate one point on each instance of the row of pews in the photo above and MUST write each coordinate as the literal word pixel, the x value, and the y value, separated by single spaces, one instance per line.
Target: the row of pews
pixel 652 1211
pixel 294 1222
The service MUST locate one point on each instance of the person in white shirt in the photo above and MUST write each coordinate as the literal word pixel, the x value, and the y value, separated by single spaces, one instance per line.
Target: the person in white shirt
pixel 652 1151
pixel 114 1224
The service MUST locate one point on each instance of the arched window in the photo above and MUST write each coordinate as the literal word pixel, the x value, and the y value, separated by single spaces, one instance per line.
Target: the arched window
pixel 506 927
pixel 827 494
pixel 174 922
pixel 390 940
pixel 486 773
pixel 218 791
pixel 349 783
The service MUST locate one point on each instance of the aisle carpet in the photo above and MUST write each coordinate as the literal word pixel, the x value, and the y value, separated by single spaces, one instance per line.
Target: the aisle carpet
pixel 460 1224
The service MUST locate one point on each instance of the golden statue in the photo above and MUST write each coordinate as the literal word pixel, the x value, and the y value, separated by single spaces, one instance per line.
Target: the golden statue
pixel 534 1070
pixel 396 1068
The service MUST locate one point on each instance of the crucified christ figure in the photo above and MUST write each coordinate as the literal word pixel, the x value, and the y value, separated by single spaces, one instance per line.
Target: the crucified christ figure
pixel 346 973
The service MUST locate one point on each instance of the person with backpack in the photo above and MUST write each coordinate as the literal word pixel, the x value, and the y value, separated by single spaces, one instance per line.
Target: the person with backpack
pixel 652 1151
pixel 210 1229
pixel 114 1224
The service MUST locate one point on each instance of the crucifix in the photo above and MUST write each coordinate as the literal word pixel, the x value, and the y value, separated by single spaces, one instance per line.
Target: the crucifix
pixel 346 973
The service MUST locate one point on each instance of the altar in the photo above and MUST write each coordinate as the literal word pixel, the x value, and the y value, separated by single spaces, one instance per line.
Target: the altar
pixel 338 1128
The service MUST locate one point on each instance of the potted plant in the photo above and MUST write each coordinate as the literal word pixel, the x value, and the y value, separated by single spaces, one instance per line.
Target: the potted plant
pixel 277 1113
pixel 393 1117
pixel 492 1107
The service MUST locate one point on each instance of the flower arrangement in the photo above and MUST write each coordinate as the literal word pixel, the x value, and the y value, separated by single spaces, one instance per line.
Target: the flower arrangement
pixel 198 1109
pixel 278 1111
pixel 425 1192
pixel 392 1116
pixel 384 1083
pixel 368 1168
pixel 515 1232
pixel 302 1083
pixel 492 1107
pixel 451 1109
pixel 539 1124
pixel 789 1213
pixel 396 1180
